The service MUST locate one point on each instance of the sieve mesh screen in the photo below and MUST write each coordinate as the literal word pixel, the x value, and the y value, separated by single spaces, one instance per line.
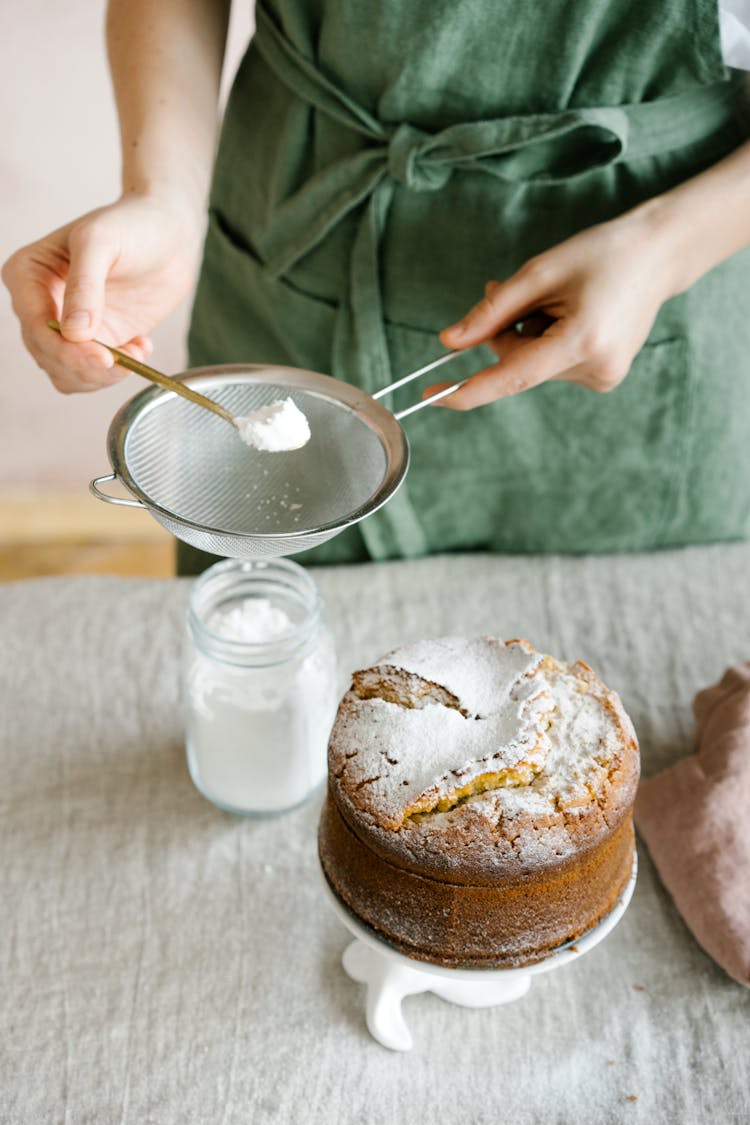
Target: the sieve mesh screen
pixel 194 467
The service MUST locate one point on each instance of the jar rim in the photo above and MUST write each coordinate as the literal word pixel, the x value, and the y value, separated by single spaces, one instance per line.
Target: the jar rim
pixel 287 643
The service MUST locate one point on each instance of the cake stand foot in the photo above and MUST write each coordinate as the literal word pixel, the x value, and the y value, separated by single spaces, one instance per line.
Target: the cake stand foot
pixel 389 981
pixel 387 985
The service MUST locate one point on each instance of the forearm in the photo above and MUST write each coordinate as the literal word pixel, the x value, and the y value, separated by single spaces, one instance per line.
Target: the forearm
pixel 703 221
pixel 165 59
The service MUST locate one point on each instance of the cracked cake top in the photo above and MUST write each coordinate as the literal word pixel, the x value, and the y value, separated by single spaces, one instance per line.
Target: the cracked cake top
pixel 483 743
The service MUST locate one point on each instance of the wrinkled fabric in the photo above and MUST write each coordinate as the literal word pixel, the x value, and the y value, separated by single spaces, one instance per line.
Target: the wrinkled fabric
pixel 694 818
pixel 379 163
pixel 163 963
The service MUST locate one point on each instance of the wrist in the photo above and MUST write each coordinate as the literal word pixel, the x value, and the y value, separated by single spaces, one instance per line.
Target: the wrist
pixel 155 168
pixel 674 245
pixel 701 222
pixel 186 209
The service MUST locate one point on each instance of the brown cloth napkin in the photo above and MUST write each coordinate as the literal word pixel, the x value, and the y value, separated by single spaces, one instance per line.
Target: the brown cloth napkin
pixel 695 819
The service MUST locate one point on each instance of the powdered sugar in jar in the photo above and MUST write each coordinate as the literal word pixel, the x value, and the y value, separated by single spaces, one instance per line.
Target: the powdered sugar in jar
pixel 259 686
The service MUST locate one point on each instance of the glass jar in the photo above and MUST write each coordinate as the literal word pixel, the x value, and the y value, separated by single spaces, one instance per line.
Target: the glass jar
pixel 259 686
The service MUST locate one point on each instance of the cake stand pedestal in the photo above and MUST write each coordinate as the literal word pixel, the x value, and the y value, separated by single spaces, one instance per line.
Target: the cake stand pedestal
pixel 390 976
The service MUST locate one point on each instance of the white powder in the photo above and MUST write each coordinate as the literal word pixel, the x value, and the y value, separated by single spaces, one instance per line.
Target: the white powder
pixel 274 428
pixel 257 736
pixel 480 671
pixel 403 754
pixel 254 621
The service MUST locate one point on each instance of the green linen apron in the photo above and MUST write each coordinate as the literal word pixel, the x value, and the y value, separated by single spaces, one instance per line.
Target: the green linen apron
pixel 379 162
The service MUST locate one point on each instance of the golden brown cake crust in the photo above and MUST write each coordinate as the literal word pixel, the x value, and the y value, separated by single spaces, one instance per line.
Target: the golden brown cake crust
pixel 479 803
pixel 509 924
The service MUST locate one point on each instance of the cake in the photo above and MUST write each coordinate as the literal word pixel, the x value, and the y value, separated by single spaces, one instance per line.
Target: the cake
pixel 479 805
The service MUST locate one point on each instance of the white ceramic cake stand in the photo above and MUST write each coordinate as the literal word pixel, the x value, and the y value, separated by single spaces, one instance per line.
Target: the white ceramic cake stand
pixel 390 975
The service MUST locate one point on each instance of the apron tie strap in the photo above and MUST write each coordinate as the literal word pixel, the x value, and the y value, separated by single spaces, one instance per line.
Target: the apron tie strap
pixel 546 147
pixel 549 148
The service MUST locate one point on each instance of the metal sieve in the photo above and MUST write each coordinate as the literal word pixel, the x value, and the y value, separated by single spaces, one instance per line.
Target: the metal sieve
pixel 182 464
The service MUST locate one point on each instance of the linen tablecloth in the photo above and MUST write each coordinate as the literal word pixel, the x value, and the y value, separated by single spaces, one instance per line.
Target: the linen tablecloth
pixel 163 962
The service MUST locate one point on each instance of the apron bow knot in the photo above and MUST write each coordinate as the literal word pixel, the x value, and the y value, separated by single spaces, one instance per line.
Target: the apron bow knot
pixel 409 163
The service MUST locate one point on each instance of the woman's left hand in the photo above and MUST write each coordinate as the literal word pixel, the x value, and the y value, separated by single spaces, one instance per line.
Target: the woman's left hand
pixel 598 293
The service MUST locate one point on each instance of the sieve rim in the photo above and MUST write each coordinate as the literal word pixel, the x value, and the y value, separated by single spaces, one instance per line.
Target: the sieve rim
pixel 391 434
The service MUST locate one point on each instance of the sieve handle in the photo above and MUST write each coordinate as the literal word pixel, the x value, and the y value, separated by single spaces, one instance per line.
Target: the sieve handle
pixel 536 324
pixel 426 401
pixel 121 500
pixel 415 375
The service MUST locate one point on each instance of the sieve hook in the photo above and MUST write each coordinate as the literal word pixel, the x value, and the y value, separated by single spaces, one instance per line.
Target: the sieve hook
pixel 105 496
pixel 415 375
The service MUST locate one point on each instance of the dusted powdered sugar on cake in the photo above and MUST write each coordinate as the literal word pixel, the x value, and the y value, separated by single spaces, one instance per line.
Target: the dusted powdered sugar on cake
pixel 481 672
pixel 435 719
pixel 478 730
pixel 588 778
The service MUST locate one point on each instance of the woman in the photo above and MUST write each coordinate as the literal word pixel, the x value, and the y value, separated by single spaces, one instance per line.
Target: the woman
pixel 377 165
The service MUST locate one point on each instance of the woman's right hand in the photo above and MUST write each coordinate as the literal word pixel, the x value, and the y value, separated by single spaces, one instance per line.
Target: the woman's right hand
pixel 113 275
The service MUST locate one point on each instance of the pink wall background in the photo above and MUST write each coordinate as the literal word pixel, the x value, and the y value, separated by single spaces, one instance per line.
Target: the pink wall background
pixel 59 157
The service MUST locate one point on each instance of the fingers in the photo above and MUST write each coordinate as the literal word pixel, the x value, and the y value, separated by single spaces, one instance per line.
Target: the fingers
pixel 81 367
pixel 72 372
pixel 140 347
pixel 92 256
pixel 524 365
pixel 506 343
pixel 434 388
pixel 144 344
pixel 36 277
pixel 500 380
pixel 71 367
pixel 503 304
